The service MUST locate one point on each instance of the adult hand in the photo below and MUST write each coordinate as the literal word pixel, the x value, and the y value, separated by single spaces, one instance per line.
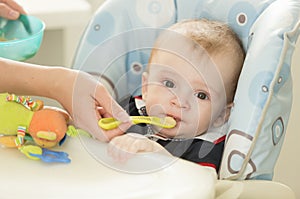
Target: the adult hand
pixel 10 9
pixel 79 93
pixel 90 102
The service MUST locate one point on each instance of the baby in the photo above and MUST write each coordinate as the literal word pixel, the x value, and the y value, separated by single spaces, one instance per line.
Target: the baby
pixel 192 75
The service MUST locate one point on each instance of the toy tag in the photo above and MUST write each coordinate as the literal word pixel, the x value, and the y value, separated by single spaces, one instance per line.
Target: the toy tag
pixel 29 150
pixel 52 156
pixel 27 102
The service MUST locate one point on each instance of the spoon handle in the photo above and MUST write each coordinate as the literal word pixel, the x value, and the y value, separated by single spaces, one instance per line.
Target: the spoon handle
pixel 24 19
pixel 111 123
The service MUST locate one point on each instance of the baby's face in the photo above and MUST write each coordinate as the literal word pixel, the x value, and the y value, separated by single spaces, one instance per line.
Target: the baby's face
pixel 193 94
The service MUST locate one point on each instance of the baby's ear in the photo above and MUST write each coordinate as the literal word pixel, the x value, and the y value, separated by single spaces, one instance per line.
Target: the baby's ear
pixel 144 85
pixel 224 116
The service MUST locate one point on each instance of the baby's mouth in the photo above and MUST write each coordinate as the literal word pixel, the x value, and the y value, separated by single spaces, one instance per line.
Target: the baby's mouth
pixel 177 119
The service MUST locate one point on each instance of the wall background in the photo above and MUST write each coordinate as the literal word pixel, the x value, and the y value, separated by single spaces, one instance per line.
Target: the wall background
pixel 53 51
pixel 287 167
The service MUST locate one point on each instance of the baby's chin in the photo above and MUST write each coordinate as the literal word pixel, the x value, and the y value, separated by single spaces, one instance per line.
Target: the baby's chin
pixel 178 132
pixel 169 133
pixel 173 133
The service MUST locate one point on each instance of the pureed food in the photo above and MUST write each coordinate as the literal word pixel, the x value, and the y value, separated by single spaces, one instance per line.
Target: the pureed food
pixel 2 39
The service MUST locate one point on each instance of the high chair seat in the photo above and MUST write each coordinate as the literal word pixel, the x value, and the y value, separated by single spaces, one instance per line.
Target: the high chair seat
pixel 118 40
pixel 98 176
pixel 116 47
pixel 249 189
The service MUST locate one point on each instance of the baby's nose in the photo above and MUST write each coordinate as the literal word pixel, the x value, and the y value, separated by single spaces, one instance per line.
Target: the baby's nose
pixel 180 102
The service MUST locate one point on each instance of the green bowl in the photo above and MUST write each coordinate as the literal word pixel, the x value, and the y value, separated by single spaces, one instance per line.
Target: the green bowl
pixel 16 42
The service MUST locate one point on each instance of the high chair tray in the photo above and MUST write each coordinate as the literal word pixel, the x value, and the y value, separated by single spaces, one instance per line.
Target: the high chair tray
pixel 88 177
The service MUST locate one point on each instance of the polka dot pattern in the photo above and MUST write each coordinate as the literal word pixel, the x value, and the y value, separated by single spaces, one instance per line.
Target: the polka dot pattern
pixel 277 130
pixel 155 13
pixel 265 80
pixel 241 17
pixel 101 28
pixel 259 88
pixel 283 76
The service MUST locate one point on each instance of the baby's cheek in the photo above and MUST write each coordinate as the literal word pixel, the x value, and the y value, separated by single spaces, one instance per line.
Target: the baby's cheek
pixel 155 108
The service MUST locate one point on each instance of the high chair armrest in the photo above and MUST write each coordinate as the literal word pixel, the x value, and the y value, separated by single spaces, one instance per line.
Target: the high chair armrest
pixel 247 189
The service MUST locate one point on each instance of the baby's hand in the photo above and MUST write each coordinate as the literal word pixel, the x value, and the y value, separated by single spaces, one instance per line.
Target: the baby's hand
pixel 121 148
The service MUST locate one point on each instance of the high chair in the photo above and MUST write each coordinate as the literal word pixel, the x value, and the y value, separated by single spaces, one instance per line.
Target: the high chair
pixel 116 45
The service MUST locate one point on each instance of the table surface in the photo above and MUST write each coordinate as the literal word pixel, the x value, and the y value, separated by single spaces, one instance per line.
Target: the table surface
pixel 93 174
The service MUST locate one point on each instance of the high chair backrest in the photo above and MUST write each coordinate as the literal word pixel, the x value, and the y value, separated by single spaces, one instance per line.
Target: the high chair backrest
pixel 119 37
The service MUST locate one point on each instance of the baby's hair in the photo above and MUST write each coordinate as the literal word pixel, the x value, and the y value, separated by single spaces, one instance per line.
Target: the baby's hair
pixel 216 38
pixel 213 36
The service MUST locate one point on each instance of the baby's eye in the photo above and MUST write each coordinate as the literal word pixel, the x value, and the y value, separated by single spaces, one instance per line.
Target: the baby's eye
pixel 201 95
pixel 169 84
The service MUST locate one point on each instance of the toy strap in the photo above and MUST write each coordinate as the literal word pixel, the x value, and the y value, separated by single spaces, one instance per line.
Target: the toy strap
pixel 25 101
pixel 20 136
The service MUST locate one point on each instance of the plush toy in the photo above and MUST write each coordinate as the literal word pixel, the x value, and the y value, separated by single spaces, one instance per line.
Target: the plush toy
pixel 23 120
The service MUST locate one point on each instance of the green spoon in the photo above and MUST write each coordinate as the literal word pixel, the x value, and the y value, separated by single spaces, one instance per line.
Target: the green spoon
pixel 23 19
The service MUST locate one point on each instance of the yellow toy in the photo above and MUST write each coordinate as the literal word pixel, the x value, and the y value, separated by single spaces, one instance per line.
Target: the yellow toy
pixel 23 120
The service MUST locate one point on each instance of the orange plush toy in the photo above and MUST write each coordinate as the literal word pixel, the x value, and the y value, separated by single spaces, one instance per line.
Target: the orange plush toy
pixel 48 127
pixel 23 120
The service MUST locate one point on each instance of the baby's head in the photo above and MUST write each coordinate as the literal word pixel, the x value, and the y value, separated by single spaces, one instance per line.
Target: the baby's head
pixel 199 58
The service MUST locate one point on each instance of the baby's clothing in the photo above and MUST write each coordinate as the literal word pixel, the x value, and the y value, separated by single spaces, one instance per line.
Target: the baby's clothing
pixel 205 150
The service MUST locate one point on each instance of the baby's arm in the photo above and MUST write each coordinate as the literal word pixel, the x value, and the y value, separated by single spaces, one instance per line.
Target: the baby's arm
pixel 121 148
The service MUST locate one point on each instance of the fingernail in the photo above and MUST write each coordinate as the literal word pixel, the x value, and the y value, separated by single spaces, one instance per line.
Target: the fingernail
pixel 13 14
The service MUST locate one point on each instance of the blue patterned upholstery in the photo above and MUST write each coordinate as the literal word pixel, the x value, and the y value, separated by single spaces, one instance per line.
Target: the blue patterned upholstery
pixel 119 37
